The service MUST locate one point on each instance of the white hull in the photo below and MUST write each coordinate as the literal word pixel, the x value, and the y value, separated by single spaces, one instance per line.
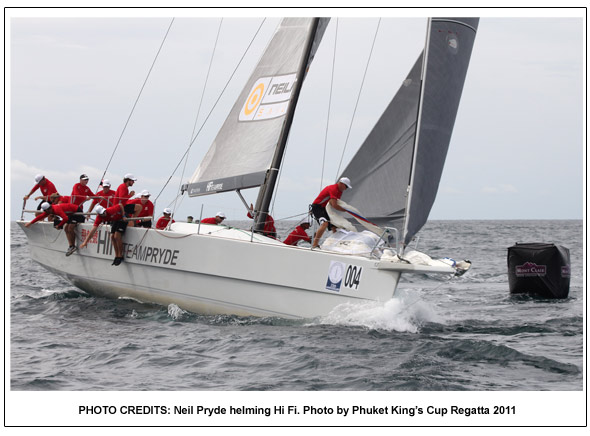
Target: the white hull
pixel 219 273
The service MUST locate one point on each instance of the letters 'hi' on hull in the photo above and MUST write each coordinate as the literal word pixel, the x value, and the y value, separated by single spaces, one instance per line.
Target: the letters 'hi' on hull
pixel 219 271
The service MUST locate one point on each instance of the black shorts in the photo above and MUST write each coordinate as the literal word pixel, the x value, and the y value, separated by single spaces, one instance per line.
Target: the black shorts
pixel 76 218
pixel 321 215
pixel 119 226
pixel 143 223
pixel 129 210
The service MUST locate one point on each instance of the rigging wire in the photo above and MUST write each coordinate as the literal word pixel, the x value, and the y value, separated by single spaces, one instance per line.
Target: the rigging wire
pixel 213 108
pixel 198 112
pixel 329 107
pixel 137 99
pixel 358 98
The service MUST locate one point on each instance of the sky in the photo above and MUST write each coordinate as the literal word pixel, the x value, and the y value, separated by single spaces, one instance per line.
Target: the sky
pixel 73 77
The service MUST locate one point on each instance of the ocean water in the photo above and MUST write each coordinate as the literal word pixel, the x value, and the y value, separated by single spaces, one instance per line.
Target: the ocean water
pixel 436 334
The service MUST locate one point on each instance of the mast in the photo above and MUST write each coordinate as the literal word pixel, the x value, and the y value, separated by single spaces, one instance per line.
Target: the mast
pixel 417 137
pixel 267 189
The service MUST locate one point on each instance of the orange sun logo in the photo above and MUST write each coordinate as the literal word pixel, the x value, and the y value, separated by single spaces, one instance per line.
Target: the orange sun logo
pixel 254 99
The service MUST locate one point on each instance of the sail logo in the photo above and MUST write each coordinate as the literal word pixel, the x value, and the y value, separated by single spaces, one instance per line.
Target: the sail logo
pixel 530 269
pixel 268 98
pixel 565 271
pixel 452 43
pixel 214 186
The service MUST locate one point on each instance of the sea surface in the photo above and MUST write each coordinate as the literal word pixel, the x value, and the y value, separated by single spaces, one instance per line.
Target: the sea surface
pixel 437 334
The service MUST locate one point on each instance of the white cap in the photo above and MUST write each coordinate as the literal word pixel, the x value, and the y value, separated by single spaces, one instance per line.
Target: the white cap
pixel 145 193
pixel 305 221
pixel 130 176
pixel 99 209
pixel 220 215
pixel 45 205
pixel 168 211
pixel 346 181
pixel 39 177
pixel 106 182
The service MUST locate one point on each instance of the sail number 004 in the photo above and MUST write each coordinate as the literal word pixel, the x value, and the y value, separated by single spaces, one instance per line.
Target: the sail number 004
pixel 352 278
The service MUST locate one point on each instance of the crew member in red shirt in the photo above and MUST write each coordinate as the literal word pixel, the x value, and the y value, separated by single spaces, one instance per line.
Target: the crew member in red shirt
pixel 165 220
pixel 143 208
pixel 299 234
pixel 330 194
pixel 269 224
pixel 116 216
pixel 81 192
pixel 106 196
pixel 217 219
pixel 123 194
pixel 69 219
pixel 55 198
pixel 47 188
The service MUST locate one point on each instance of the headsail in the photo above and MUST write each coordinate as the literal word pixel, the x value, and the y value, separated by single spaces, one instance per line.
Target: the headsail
pixel 381 167
pixel 397 170
pixel 244 147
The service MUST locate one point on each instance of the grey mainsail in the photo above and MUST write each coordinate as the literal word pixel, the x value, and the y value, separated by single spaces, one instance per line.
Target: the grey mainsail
pixel 397 170
pixel 243 150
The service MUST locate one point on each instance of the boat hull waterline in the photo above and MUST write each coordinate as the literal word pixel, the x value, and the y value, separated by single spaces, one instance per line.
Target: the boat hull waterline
pixel 215 270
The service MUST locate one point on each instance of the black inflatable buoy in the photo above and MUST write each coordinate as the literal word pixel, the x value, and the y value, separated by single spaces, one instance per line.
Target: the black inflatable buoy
pixel 539 269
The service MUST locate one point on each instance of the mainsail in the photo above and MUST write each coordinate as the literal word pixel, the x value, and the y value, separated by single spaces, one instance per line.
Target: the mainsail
pixel 243 150
pixel 397 170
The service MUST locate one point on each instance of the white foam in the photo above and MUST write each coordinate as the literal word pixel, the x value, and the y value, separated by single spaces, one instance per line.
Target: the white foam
pixel 176 312
pixel 406 312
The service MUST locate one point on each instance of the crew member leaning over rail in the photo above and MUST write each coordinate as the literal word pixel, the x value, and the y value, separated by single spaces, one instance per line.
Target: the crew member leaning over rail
pixel 116 216
pixel 67 218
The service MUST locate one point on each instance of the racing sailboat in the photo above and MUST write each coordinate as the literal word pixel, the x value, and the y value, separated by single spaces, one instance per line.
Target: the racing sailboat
pixel 212 269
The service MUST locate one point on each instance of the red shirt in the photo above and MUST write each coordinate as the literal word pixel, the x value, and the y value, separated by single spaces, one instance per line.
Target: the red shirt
pixel 47 188
pixel 79 193
pixel 107 198
pixel 122 194
pixel 297 235
pixel 269 225
pixel 60 210
pixel 329 192
pixel 113 213
pixel 147 208
pixel 163 223
pixel 208 221
pixel 64 199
